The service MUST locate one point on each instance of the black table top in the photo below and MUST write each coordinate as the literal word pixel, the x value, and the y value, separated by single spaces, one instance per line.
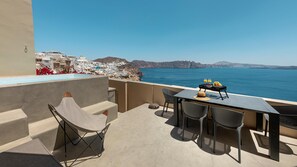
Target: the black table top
pixel 235 101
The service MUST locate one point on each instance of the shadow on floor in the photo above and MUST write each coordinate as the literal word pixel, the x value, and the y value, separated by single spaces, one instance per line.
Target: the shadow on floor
pixel 166 115
pixel 263 142
pixel 10 159
pixel 225 139
pixel 191 134
pixel 32 153
pixel 74 151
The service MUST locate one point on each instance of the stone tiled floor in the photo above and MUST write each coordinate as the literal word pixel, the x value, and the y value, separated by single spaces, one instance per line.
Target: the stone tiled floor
pixel 140 137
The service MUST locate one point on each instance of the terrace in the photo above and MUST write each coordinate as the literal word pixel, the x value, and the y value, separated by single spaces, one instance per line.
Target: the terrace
pixel 255 149
pixel 141 137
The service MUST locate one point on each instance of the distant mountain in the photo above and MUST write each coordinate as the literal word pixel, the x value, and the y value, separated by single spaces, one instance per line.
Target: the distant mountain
pixel 171 64
pixel 188 64
pixel 111 59
pixel 244 65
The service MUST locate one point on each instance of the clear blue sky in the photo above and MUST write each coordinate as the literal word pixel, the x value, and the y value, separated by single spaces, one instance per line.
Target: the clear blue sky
pixel 207 31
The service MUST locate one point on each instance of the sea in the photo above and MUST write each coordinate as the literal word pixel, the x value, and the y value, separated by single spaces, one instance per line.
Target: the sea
pixel 269 83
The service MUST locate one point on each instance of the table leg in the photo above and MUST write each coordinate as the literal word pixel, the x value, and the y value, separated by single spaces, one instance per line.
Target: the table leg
pixel 226 93
pixel 176 112
pixel 259 122
pixel 274 136
pixel 221 95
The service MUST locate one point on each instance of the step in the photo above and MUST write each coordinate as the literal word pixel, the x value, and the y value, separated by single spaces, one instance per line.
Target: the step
pixel 13 126
pixel 15 143
pixel 44 125
pixel 100 108
pixel 47 131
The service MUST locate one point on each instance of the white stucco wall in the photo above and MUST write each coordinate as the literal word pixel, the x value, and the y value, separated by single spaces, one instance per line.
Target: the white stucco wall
pixel 16 34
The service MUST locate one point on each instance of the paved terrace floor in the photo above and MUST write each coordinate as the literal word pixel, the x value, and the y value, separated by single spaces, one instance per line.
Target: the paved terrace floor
pixel 140 137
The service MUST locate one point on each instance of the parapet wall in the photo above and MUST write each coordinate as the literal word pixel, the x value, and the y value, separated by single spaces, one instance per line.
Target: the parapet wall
pixel 33 99
pixel 130 94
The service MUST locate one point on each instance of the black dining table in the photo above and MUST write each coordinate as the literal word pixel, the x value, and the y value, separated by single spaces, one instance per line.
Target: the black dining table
pixel 238 102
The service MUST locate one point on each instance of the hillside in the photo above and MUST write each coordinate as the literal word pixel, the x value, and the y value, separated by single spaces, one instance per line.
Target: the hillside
pixel 171 64
pixel 131 70
pixel 110 60
pixel 122 65
pixel 187 64
pixel 245 65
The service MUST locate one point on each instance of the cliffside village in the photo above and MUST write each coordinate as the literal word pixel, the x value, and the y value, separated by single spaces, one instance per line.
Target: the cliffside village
pixel 58 63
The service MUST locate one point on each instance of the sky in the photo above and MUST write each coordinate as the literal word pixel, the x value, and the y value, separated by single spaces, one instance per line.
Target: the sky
pixel 206 31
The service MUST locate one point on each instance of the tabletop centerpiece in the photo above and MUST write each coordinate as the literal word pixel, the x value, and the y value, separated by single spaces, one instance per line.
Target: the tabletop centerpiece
pixel 208 82
pixel 215 86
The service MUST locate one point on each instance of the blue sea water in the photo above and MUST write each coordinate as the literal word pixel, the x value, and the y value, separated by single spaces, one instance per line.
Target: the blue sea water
pixel 271 83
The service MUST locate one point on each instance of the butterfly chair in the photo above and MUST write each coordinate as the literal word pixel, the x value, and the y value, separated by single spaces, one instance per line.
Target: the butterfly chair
pixel 287 118
pixel 76 119
pixel 228 119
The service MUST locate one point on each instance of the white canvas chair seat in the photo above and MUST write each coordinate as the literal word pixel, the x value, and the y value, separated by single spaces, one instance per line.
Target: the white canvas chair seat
pixel 75 118
pixel 70 112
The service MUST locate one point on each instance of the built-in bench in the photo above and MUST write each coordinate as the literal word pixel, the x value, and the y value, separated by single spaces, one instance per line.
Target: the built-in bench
pixel 15 143
pixel 32 153
pixel 13 126
pixel 100 108
pixel 46 130
pixel 15 130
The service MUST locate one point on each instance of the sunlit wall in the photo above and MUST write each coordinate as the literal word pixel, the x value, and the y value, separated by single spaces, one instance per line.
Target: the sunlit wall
pixel 16 38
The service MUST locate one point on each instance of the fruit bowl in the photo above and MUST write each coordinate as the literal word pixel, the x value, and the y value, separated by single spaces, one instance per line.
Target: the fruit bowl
pixel 208 85
pixel 217 84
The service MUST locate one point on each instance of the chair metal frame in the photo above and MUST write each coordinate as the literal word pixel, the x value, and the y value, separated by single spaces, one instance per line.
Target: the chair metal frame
pixel 63 124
